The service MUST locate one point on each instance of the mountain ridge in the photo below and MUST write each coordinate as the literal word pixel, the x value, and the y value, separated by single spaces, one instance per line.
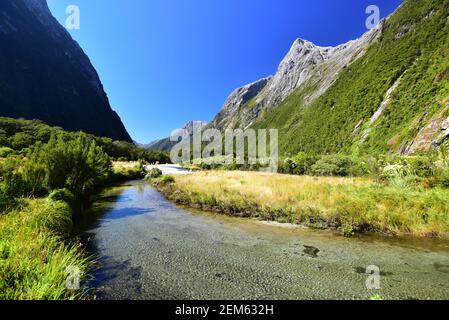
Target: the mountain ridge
pixel 303 61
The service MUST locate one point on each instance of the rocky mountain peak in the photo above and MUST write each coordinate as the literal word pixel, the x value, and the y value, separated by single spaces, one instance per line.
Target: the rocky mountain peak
pixel 303 63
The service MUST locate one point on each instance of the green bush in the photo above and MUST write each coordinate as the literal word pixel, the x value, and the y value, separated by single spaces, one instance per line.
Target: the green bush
pixel 22 177
pixel 5 151
pixel 62 195
pixel 337 165
pixel 422 166
pixel 164 180
pixel 6 203
pixel 303 163
pixel 22 140
pixel 154 173
pixel 440 177
pixel 79 165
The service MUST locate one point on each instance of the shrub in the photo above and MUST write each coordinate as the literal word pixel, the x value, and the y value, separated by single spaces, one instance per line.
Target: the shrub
pixel 167 179
pixel 79 165
pixel 21 140
pixel 303 163
pixel 333 165
pixel 287 166
pixel 154 173
pixel 62 195
pixel 5 151
pixel 22 177
pixel 163 180
pixel 440 177
pixel 422 166
pixel 6 203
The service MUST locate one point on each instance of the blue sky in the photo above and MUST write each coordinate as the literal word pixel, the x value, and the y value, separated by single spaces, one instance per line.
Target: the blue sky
pixel 165 62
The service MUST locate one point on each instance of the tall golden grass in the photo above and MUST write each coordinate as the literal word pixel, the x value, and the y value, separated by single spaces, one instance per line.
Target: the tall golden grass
pixel 348 204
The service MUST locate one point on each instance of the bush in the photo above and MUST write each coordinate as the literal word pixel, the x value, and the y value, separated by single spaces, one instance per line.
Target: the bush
pixel 440 178
pixel 303 163
pixel 164 180
pixel 22 140
pixel 154 173
pixel 6 203
pixel 5 151
pixel 422 166
pixel 23 177
pixel 336 165
pixel 79 165
pixel 64 195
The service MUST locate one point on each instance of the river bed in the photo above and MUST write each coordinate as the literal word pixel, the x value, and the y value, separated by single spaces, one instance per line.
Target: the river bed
pixel 148 248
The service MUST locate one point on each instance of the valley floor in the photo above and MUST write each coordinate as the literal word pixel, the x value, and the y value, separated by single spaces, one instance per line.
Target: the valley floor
pixel 348 204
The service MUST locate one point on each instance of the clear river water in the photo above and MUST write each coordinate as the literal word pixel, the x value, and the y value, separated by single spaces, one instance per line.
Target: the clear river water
pixel 148 248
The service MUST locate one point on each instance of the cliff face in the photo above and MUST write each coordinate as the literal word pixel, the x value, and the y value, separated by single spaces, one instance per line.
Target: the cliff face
pixel 44 74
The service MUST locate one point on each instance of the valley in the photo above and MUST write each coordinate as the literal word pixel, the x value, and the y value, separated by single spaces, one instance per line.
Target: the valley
pixel 346 200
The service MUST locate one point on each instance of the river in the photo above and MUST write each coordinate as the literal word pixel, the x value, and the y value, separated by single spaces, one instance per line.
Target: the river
pixel 148 248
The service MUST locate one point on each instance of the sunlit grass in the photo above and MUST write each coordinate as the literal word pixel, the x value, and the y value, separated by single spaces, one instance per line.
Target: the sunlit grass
pixel 349 204
pixel 34 255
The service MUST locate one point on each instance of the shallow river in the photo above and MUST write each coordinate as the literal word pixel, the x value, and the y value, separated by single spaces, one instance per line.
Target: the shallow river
pixel 147 248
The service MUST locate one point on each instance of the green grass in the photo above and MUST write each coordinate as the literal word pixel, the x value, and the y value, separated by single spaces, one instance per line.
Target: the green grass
pixel 35 251
pixel 348 204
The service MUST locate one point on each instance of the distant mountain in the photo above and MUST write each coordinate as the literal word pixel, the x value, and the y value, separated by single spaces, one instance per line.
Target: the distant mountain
pixel 166 145
pixel 386 92
pixel 44 74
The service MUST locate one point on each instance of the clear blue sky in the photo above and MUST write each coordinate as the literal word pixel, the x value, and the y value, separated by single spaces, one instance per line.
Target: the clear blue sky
pixel 165 62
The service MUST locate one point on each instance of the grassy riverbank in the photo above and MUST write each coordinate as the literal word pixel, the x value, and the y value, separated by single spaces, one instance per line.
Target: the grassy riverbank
pixel 37 248
pixel 347 204
pixel 36 251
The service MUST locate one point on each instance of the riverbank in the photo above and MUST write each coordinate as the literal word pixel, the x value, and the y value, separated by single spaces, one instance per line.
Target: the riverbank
pixel 38 250
pixel 350 205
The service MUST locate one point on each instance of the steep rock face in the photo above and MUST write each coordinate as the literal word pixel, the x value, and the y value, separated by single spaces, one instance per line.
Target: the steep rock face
pixel 44 74
pixel 304 62
pixel 187 130
pixel 228 116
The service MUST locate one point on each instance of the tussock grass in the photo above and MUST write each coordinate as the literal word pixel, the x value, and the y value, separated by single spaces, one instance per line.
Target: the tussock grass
pixel 348 204
pixel 34 251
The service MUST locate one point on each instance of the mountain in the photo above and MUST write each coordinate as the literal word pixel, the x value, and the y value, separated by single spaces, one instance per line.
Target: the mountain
pixel 188 130
pixel 304 63
pixel 44 74
pixel 387 91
